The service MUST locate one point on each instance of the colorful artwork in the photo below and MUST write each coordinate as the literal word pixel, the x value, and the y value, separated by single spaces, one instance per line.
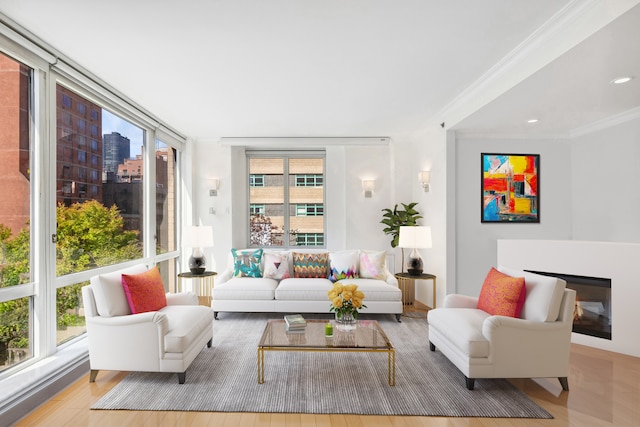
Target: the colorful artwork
pixel 510 187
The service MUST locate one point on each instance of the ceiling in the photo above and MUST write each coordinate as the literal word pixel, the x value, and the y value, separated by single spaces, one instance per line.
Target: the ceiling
pixel 309 68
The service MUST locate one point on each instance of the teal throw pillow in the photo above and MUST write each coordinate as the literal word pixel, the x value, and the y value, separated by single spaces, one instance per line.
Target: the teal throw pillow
pixel 247 263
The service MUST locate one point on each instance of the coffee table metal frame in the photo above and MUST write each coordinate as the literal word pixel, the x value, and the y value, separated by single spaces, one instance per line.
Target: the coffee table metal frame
pixel 275 338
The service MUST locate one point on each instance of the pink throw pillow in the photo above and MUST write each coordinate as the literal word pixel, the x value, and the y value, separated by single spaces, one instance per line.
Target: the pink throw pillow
pixel 502 295
pixel 145 291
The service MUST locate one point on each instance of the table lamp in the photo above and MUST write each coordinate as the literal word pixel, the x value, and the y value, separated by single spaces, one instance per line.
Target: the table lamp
pixel 414 237
pixel 197 237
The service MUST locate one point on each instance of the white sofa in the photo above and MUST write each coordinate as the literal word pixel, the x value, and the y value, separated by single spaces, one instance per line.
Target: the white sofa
pixel 167 340
pixel 536 345
pixel 300 295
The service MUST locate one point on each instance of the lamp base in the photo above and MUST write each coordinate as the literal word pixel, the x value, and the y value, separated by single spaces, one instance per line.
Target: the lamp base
pixel 197 264
pixel 414 266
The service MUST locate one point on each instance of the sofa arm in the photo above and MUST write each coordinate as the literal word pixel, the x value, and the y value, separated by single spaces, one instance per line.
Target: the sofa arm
pixel 391 278
pixel 182 298
pixel 460 301
pixel 224 277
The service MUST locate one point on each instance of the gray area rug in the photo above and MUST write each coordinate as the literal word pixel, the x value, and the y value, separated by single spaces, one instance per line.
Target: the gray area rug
pixel 224 379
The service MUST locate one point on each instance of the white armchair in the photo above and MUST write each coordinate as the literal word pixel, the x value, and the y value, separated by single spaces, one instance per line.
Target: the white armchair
pixel 167 340
pixel 536 345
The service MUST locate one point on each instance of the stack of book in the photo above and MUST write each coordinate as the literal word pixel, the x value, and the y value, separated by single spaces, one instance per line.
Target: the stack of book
pixel 295 323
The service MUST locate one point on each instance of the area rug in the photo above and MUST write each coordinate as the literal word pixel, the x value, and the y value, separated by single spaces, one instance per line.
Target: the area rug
pixel 224 378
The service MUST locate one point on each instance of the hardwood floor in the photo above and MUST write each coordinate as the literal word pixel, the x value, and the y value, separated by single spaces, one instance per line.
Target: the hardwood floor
pixel 604 391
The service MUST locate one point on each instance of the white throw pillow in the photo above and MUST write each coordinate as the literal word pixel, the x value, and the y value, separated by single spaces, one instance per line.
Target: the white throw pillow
pixel 109 294
pixel 543 297
pixel 343 265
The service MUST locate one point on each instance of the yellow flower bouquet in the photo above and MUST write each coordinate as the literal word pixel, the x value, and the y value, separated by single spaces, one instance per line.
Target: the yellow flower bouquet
pixel 346 300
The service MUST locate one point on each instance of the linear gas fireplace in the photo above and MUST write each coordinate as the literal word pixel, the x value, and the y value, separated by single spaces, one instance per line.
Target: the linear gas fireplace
pixel 592 312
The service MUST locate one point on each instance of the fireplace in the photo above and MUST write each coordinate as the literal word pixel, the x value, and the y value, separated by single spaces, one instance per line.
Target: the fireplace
pixel 592 313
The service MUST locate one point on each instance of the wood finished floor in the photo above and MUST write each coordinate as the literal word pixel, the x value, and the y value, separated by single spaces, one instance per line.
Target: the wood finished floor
pixel 605 391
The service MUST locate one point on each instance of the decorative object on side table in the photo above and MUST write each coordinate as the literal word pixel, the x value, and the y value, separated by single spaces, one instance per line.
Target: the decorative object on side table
pixel 415 237
pixel 346 300
pixel 197 238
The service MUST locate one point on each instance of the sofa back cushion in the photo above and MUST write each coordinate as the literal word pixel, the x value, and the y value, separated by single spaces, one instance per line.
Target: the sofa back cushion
pixel 109 294
pixel 144 291
pixel 544 295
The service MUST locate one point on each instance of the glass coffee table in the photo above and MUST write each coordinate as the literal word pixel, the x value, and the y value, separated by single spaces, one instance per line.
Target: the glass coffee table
pixel 364 336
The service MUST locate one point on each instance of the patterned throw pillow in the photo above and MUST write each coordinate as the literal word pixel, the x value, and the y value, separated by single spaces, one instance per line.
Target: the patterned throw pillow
pixel 310 265
pixel 145 291
pixel 344 265
pixel 502 295
pixel 247 263
pixel 373 265
pixel 276 265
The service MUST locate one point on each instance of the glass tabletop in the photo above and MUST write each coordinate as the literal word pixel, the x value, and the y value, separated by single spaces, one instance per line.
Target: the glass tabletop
pixel 366 334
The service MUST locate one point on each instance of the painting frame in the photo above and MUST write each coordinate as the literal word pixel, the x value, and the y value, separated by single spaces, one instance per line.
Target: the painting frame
pixel 510 188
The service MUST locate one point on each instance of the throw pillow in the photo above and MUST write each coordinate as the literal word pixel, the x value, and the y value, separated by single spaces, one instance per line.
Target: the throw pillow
pixel 247 263
pixel 310 265
pixel 502 295
pixel 373 265
pixel 343 265
pixel 144 291
pixel 276 265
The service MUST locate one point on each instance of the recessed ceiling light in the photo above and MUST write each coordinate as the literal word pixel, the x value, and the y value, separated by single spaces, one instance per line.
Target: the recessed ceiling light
pixel 621 80
pixel 532 121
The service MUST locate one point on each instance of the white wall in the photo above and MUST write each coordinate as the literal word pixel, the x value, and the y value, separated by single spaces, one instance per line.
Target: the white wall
pixel 475 242
pixel 605 197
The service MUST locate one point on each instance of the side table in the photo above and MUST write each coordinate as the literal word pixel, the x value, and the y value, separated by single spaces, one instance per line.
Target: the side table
pixel 205 284
pixel 407 284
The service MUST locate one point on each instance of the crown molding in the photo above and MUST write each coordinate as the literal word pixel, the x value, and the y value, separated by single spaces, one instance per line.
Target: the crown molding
pixel 614 120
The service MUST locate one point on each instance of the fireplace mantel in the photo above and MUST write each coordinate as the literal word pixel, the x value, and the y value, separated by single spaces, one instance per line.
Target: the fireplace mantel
pixel 617 261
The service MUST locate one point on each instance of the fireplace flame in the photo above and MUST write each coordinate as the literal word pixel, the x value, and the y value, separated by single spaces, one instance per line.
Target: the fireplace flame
pixel 578 312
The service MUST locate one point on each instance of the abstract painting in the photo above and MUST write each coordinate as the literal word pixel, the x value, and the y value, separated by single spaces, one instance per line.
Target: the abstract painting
pixel 510 187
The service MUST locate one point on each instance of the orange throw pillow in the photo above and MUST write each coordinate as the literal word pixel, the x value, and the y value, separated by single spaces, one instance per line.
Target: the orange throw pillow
pixel 145 291
pixel 502 295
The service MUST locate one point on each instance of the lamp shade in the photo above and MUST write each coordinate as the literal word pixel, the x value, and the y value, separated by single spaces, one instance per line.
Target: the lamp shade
pixel 416 236
pixel 197 236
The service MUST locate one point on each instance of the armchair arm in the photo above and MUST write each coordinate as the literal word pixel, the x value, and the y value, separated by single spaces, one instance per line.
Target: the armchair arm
pixel 390 278
pixel 182 298
pixel 460 301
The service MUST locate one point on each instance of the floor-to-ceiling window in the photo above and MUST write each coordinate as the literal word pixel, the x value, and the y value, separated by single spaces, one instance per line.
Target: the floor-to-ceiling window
pixel 16 282
pixel 89 182
pixel 286 198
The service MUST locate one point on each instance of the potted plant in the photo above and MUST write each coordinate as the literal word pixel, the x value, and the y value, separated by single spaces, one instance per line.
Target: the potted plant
pixel 399 217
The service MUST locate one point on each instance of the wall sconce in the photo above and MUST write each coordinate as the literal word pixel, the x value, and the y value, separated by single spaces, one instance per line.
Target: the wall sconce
pixel 214 184
pixel 425 177
pixel 368 185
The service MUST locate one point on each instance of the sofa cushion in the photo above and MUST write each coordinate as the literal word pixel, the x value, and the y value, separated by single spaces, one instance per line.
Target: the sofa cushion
pixel 463 327
pixel 144 291
pixel 310 265
pixel 276 265
pixel 186 324
pixel 502 294
pixel 246 263
pixel 304 290
pixel 544 295
pixel 109 294
pixel 246 288
pixel 375 290
pixel 343 265
pixel 373 265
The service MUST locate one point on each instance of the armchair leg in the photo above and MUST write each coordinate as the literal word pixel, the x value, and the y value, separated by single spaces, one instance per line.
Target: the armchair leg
pixel 471 382
pixel 209 343
pixel 398 319
pixel 92 375
pixel 564 382
pixel 432 346
pixel 182 376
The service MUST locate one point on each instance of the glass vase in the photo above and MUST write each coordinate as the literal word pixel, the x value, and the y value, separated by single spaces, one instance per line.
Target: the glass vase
pixel 345 318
